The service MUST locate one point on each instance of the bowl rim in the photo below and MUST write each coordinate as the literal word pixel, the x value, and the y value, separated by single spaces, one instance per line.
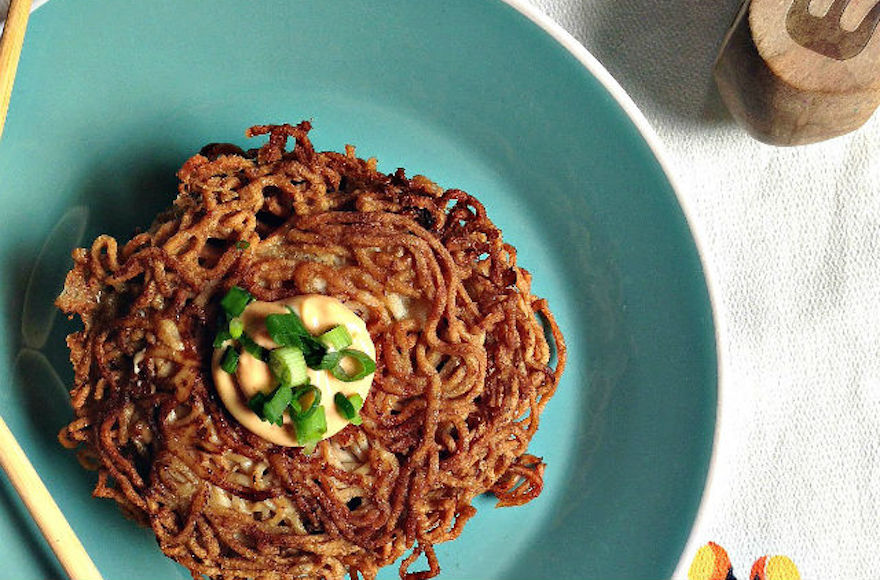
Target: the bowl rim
pixel 655 144
pixel 576 49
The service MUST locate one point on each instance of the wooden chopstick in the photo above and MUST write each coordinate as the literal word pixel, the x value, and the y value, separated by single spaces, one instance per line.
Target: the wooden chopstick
pixel 10 50
pixel 44 510
pixel 37 499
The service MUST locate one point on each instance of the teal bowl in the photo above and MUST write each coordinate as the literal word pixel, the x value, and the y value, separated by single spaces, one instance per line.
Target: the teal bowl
pixel 486 96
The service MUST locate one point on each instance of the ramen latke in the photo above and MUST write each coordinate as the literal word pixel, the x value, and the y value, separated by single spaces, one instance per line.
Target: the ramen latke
pixel 462 365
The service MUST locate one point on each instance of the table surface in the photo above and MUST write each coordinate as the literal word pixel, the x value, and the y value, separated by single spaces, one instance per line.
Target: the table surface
pixel 790 240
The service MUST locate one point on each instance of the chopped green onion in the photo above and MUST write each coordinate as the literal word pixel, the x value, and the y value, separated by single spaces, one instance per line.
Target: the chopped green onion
pixel 234 302
pixel 286 329
pixel 222 336
pixel 336 338
pixel 254 349
pixel 344 406
pixel 329 360
pixel 242 244
pixel 256 403
pixel 273 409
pixel 288 365
pixel 310 429
pixel 349 406
pixel 357 402
pixel 296 402
pixel 367 366
pixel 236 327
pixel 230 360
pixel 313 351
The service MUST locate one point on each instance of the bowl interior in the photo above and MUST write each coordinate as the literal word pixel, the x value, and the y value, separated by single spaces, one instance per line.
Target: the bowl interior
pixel 112 98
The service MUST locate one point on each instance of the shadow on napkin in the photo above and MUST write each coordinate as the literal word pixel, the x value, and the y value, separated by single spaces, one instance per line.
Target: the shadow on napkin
pixel 662 53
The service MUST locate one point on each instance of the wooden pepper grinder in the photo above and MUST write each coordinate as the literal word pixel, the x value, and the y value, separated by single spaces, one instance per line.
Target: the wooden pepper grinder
pixel 795 72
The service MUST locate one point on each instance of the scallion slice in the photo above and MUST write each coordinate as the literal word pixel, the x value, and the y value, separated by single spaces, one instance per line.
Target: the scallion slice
pixel 254 349
pixel 336 338
pixel 230 360
pixel 313 351
pixel 349 406
pixel 344 406
pixel 236 327
pixel 256 403
pixel 234 302
pixel 311 428
pixel 367 366
pixel 296 405
pixel 222 336
pixel 273 409
pixel 356 401
pixel 329 360
pixel 286 329
pixel 288 365
pixel 289 330
pixel 242 244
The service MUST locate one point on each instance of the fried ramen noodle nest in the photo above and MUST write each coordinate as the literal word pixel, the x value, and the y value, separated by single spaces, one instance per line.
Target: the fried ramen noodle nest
pixel 463 365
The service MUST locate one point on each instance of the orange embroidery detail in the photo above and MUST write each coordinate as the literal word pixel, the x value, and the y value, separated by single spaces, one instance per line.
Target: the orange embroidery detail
pixel 712 563
pixel 774 568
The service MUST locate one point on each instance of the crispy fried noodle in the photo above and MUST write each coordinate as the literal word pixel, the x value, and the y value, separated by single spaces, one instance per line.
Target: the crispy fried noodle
pixel 463 365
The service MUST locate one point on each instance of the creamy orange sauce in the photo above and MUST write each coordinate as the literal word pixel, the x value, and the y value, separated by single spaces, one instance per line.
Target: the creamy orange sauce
pixel 319 314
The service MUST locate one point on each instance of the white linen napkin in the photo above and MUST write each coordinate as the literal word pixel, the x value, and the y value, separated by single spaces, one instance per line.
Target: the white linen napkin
pixel 790 239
